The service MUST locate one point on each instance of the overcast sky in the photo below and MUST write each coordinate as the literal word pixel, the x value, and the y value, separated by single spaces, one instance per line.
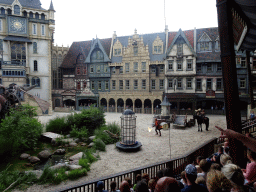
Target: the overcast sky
pixel 81 20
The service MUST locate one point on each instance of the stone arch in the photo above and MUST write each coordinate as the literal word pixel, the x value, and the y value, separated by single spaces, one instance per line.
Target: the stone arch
pixel 147 103
pixel 111 102
pixel 138 103
pixel 157 102
pixel 103 102
pixel 129 103
pixel 120 102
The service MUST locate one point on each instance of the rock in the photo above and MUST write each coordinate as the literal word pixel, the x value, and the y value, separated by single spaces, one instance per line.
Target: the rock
pixel 72 167
pixel 33 159
pixel 91 144
pixel 66 145
pixel 83 144
pixel 66 172
pixel 59 152
pixel 24 156
pixel 72 144
pixel 76 156
pixel 45 154
pixel 76 140
pixel 68 136
pixel 91 138
pixel 58 166
pixel 38 173
pixel 28 165
pixel 75 162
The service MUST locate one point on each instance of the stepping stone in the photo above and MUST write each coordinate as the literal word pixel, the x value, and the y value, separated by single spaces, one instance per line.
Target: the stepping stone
pixel 24 156
pixel 72 144
pixel 72 167
pixel 58 166
pixel 50 135
pixel 76 156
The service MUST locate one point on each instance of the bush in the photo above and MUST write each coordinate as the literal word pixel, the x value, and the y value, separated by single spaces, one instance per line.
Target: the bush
pixel 19 131
pixel 84 163
pixel 99 145
pixel 57 125
pixel 105 137
pixel 89 156
pixel 75 174
pixel 79 133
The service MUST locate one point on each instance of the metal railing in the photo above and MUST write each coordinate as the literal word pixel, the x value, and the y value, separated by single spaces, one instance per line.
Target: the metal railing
pixel 176 165
pixel 19 63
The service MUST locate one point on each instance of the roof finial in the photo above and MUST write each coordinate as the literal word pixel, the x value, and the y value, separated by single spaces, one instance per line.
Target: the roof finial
pixel 51 7
pixel 135 31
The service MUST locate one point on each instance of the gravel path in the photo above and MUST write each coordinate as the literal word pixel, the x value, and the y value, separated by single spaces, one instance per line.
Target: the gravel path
pixel 154 148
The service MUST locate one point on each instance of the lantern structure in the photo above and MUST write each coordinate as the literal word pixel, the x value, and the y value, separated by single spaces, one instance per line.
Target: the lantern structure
pixel 128 132
pixel 165 105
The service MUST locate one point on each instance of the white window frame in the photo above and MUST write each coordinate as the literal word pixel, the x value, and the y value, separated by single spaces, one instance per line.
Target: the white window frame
pixel 170 65
pixel 43 30
pixel 34 29
pixel 113 84
pixel 135 84
pixel 143 67
pixel 153 84
pixel 1 25
pixel 143 84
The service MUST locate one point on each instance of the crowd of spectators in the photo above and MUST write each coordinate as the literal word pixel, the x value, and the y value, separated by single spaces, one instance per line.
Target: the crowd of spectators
pixel 208 174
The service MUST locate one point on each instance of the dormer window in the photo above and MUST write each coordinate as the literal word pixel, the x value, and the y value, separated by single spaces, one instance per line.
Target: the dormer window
pixel 204 44
pixel 16 9
pixel 117 52
pixel 179 49
pixel 157 46
pixel 157 49
pixel 135 51
pixel 37 16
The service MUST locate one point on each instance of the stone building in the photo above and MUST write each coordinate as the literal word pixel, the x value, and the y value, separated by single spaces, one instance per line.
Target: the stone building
pixel 26 34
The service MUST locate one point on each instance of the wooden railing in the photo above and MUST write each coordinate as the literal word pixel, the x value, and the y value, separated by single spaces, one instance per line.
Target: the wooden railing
pixel 176 165
pixel 249 126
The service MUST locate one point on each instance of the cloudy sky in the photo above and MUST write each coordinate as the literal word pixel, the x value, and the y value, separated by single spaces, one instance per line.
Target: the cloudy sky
pixel 81 20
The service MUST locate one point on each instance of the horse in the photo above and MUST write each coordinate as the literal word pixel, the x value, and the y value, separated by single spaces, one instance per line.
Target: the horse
pixel 200 121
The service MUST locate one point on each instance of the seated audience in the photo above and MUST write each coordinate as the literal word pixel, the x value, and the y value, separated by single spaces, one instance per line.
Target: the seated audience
pixel 142 186
pixel 198 159
pixel 215 158
pixel 205 166
pixel 217 182
pixel 198 168
pixel 191 175
pixel 145 176
pixel 247 141
pixel 183 181
pixel 138 178
pixel 225 159
pixel 250 171
pixel 125 187
pixel 128 179
pixel 113 187
pixel 200 181
pixel 215 166
pixel 167 184
pixel 235 175
pixel 100 186
pixel 151 185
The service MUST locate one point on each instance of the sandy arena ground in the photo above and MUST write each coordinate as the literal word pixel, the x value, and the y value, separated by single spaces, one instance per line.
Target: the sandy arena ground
pixel 154 148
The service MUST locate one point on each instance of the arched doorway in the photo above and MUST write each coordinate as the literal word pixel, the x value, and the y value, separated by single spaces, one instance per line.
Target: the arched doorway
pixel 103 104
pixel 57 102
pixel 69 103
pixel 111 105
pixel 120 105
pixel 129 104
pixel 157 106
pixel 147 106
pixel 138 106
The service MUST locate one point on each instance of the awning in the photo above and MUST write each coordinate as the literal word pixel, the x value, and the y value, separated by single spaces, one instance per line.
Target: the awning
pixel 15 38
pixel 244 18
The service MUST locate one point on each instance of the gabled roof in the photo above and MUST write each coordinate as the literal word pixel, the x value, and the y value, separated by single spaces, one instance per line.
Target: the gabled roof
pixel 35 4
pixel 189 34
pixel 212 56
pixel 148 39
pixel 97 43
pixel 82 47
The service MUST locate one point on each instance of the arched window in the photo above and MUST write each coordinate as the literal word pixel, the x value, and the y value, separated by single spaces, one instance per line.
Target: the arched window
pixel 31 15
pixel 36 81
pixel 78 85
pixel 9 11
pixel 35 66
pixel 37 16
pixel 25 14
pixel 16 9
pixel 43 16
pixel 27 82
pixel 2 11
pixel 34 47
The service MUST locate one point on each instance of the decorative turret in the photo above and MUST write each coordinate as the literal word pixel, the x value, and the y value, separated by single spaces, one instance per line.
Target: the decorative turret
pixel 51 11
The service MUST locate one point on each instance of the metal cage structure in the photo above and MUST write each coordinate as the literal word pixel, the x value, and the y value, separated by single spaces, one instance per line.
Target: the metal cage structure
pixel 128 132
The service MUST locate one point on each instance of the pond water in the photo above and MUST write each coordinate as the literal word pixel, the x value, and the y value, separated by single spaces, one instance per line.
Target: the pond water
pixel 54 160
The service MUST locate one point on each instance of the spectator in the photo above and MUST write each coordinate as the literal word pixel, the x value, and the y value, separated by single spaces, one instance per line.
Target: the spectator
pixel 138 178
pixel 159 174
pixel 151 185
pixel 205 166
pixel 252 115
pixel 217 182
pixel 225 159
pixel 183 179
pixel 167 184
pixel 198 159
pixel 128 179
pixel 146 177
pixel 142 186
pixel 226 147
pixel 215 166
pixel 124 187
pixel 113 187
pixel 247 141
pixel 167 172
pixel 191 175
pixel 100 186
pixel 250 171
pixel 235 175
pixel 216 156
pixel 200 181
pixel 198 168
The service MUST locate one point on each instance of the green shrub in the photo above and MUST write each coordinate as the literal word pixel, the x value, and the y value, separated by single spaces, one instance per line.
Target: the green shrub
pixel 105 137
pixel 99 145
pixel 79 133
pixel 47 176
pixel 84 163
pixel 89 156
pixel 75 174
pixel 19 131
pixel 57 125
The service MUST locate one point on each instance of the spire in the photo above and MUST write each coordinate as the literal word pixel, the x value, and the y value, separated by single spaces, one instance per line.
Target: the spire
pixel 51 7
